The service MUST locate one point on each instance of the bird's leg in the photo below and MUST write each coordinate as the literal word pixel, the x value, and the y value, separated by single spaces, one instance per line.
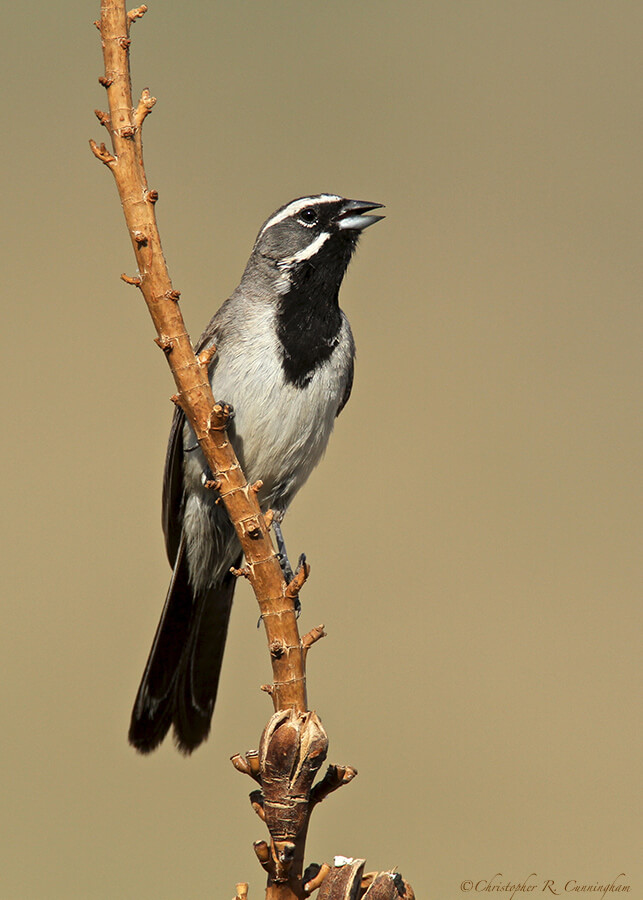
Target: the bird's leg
pixel 284 562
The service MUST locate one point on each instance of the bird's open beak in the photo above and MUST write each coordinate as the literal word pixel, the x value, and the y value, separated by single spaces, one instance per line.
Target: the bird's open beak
pixel 351 215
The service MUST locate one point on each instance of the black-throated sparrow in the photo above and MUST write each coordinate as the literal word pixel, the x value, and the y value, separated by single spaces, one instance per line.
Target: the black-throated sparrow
pixel 284 361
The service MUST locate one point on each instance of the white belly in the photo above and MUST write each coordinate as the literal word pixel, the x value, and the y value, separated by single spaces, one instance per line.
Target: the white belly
pixel 280 431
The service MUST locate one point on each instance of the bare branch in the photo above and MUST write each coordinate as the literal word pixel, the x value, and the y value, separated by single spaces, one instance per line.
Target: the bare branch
pixel 135 280
pixel 262 850
pixel 144 108
pixel 137 13
pixel 207 355
pixel 294 586
pixel 318 879
pixel 311 637
pixel 102 117
pixel 335 777
pixel 102 153
pixel 248 765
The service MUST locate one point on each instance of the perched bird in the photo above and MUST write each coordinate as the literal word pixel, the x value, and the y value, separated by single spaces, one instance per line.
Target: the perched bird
pixel 284 361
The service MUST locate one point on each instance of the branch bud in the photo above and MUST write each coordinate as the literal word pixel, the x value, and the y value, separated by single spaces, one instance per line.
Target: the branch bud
pixel 137 13
pixel 342 880
pixel 102 117
pixel 292 749
pixel 389 886
pixel 262 850
pixel 335 777
pixel 314 876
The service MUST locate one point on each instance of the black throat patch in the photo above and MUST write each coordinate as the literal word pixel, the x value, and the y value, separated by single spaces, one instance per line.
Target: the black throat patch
pixel 309 322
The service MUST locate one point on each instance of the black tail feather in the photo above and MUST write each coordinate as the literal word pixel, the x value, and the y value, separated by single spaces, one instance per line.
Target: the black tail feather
pixel 180 680
pixel 198 679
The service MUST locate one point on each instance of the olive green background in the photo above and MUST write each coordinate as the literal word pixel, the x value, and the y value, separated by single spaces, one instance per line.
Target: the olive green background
pixel 474 529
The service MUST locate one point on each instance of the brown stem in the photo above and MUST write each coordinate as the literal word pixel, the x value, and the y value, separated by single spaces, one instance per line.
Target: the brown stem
pixel 335 777
pixel 318 879
pixel 311 637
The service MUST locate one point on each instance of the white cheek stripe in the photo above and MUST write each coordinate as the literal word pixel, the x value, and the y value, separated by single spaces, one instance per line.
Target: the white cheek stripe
pixel 307 252
pixel 296 206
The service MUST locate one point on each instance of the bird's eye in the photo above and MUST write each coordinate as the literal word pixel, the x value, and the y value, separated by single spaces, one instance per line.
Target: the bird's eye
pixel 308 216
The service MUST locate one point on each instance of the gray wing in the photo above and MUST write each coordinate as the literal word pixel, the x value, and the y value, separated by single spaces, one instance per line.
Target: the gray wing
pixel 351 368
pixel 173 491
pixel 348 388
pixel 173 501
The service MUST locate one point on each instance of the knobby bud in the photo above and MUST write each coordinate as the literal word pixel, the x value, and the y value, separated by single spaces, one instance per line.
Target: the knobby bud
pixel 292 749
pixel 389 886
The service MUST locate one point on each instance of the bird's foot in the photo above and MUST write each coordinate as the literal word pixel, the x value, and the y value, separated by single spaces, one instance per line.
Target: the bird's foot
pixel 300 565
pixel 284 562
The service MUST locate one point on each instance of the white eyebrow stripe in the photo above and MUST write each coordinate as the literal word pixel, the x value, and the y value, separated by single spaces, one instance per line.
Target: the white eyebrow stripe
pixel 307 252
pixel 296 206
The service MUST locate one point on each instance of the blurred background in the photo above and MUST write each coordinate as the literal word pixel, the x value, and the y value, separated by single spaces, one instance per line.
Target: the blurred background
pixel 474 530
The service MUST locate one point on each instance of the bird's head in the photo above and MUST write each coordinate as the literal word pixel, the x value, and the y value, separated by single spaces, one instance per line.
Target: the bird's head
pixel 312 237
